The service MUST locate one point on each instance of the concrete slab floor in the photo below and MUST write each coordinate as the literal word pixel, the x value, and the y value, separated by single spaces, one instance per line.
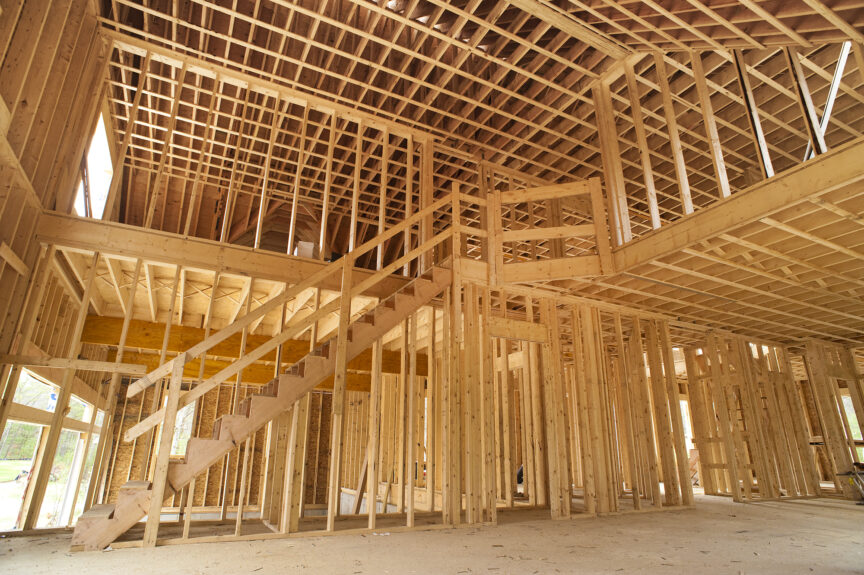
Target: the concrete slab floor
pixel 718 536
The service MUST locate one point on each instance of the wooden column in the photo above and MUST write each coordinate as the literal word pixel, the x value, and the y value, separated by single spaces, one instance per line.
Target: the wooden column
pixel 488 417
pixel 721 405
pixel 662 417
pixel 298 176
pixel 120 157
pixel 292 502
pixel 642 143
pixel 752 114
pixel 374 435
pixel 612 169
pixel 556 434
pixel 410 420
pixel 100 462
pixel 153 194
pixel 160 475
pixel 536 416
pixel 585 436
pixel 710 122
pixel 432 392
pixel 355 191
pixel 338 406
pixel 323 247
pixel 625 412
pixel 805 101
pixel 674 136
pixel 673 395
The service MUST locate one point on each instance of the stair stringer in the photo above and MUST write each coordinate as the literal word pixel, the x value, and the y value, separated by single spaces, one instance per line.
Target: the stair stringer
pixel 292 387
pixel 101 525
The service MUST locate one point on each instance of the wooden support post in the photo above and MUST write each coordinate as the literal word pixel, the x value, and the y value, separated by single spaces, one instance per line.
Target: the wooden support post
pixel 526 436
pixel 338 406
pixel 323 246
pixel 120 157
pixel 452 404
pixel 710 122
pixel 536 416
pixel 752 115
pixel 244 478
pixel 805 101
pixel 292 502
pixel 799 421
pixel 556 434
pixel 382 196
pixel 432 400
pixel 643 412
pixel 100 462
pixel 626 412
pixel 160 475
pixel 412 466
pixel 409 200
pixel 488 419
pixel 401 399
pixel 427 193
pixel 355 192
pixel 674 137
pixel 153 195
pixel 721 404
pixel 148 440
pixel 673 395
pixel 298 177
pixel 619 217
pixel 374 435
pixel 473 411
pixel 508 422
pixel 587 451
pixel 661 416
pixel 642 144
pixel 699 423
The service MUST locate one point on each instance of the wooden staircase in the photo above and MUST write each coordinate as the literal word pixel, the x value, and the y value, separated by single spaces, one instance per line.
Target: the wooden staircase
pixel 102 524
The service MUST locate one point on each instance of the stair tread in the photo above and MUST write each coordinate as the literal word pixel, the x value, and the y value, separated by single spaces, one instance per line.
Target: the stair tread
pixel 136 485
pixel 99 511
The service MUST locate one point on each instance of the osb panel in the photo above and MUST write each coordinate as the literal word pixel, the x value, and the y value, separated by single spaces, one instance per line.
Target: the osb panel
pixel 318 449
pixel 206 417
pixel 129 458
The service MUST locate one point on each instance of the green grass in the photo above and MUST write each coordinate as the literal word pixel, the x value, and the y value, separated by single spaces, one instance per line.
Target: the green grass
pixel 10 468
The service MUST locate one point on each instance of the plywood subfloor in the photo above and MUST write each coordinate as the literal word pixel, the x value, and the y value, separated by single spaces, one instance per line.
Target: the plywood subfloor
pixel 718 536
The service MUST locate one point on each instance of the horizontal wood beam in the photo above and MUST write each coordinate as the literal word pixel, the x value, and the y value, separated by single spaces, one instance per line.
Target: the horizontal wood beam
pixel 254 374
pixel 547 270
pixel 839 168
pixel 81 364
pixel 517 329
pixel 551 233
pixel 572 26
pixel 551 192
pixel 29 414
pixel 149 336
pixel 131 242
pixel 55 375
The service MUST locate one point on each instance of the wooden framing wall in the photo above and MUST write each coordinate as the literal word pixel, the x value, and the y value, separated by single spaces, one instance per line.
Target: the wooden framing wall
pixel 667 216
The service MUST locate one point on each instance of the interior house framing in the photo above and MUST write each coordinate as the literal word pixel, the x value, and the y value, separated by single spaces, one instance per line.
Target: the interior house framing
pixel 402 264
